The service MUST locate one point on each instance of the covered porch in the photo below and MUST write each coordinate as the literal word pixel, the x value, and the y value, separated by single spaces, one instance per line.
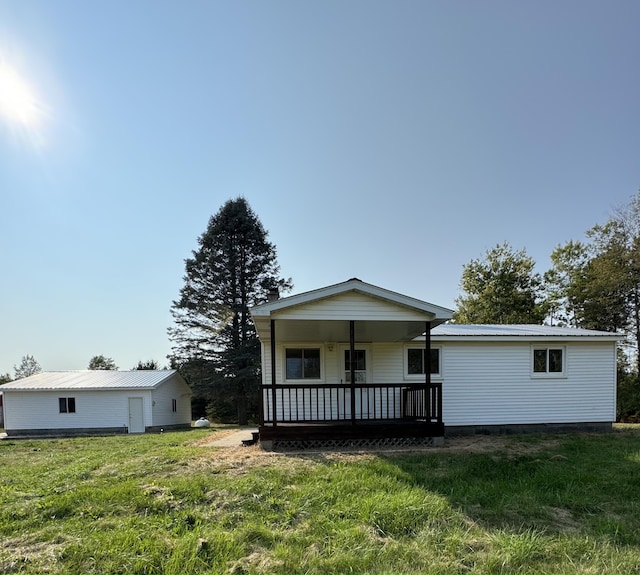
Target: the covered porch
pixel 319 387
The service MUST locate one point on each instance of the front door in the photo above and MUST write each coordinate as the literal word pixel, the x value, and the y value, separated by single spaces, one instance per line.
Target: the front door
pixel 360 361
pixel 136 415
pixel 363 402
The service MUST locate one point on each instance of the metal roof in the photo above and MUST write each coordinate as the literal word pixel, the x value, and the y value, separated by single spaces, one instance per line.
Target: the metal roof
pixel 90 380
pixel 518 331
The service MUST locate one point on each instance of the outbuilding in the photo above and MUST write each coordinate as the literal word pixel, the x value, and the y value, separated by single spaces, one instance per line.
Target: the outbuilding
pixel 96 402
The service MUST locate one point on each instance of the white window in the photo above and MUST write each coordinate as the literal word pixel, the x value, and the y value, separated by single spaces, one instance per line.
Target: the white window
pixel 302 363
pixel 415 364
pixel 548 361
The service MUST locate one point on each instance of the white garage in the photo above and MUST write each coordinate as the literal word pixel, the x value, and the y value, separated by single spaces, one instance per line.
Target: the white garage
pixel 92 402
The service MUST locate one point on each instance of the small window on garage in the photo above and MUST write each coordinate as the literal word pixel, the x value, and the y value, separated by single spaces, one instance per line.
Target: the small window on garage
pixel 67 404
pixel 548 361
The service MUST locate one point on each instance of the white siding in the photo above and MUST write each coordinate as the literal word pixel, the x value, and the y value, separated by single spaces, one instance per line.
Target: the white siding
pixel 491 384
pixel 94 409
pixel 162 413
pixel 354 306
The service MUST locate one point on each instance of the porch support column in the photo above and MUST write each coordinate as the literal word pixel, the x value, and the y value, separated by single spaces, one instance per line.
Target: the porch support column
pixel 352 368
pixel 427 370
pixel 273 373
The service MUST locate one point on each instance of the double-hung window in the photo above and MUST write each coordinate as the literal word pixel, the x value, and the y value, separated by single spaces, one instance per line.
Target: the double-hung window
pixel 302 363
pixel 416 361
pixel 549 361
pixel 67 404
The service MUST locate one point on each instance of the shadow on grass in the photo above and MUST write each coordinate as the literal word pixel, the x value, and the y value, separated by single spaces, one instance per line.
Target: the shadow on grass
pixel 585 484
pixel 578 483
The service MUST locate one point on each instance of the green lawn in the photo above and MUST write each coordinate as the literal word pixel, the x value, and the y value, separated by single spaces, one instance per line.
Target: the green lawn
pixel 168 504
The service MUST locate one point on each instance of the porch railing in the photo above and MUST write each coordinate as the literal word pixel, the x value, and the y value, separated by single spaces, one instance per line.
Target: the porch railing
pixel 332 403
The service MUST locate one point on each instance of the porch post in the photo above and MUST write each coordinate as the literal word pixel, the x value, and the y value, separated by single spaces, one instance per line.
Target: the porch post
pixel 273 373
pixel 427 370
pixel 352 368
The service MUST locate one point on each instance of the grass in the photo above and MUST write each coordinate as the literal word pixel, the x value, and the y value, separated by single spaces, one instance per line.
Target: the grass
pixel 168 504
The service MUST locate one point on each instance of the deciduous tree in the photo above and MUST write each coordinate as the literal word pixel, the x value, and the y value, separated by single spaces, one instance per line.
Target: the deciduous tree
pixel 100 362
pixel 501 288
pixel 28 366
pixel 152 364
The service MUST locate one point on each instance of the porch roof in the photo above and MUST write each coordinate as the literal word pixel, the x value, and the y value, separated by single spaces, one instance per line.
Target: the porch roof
pixel 324 314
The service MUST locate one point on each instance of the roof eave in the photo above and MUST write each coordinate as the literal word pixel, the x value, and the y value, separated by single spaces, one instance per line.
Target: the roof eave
pixel 265 310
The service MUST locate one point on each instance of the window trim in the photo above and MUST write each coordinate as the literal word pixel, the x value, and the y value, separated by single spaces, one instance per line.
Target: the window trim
pixel 420 376
pixel 302 346
pixel 174 405
pixel 548 374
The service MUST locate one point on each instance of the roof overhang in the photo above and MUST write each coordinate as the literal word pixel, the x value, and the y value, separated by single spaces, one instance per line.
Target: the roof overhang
pixel 390 317
pixel 519 333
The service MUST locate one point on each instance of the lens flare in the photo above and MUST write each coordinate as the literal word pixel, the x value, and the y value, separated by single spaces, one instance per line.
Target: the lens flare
pixel 19 107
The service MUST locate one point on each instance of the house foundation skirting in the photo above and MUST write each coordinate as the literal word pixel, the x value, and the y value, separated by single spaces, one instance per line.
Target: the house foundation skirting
pixel 88 431
pixel 67 432
pixel 515 429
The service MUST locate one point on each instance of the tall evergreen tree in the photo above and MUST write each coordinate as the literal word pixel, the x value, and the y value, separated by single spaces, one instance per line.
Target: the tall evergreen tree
pixel 234 268
pixel 502 288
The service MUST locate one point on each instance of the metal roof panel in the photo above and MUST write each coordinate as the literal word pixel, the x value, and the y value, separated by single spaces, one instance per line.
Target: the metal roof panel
pixel 516 331
pixel 90 380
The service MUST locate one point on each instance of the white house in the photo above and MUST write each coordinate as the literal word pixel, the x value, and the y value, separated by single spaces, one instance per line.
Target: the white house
pixel 355 362
pixel 73 402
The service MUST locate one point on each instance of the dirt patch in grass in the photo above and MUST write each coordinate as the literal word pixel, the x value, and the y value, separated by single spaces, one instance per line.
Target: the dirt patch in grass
pixel 216 435
pixel 238 459
pixel 18 553
pixel 509 445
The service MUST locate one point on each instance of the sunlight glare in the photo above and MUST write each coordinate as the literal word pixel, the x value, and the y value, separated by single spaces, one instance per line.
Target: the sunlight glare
pixel 18 104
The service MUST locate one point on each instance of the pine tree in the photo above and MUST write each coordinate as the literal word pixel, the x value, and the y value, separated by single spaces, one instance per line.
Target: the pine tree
pixel 233 269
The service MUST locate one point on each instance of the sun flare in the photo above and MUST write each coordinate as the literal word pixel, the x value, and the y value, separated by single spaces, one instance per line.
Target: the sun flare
pixel 18 103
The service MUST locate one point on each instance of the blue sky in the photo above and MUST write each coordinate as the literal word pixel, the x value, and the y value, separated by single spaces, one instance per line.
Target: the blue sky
pixel 391 141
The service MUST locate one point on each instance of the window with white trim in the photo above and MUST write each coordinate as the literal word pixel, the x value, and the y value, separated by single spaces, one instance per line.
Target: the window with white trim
pixel 415 363
pixel 302 363
pixel 548 361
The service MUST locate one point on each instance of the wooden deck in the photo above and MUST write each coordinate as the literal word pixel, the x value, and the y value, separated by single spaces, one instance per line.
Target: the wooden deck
pixel 370 430
pixel 363 411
